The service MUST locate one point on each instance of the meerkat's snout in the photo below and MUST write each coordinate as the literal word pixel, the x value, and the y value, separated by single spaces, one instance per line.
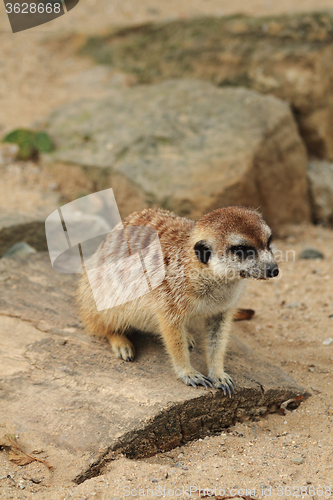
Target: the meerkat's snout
pixel 264 271
pixel 261 265
pixel 265 266
pixel 272 271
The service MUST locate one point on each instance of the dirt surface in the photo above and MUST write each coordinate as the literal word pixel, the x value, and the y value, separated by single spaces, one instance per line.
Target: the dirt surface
pixel 292 314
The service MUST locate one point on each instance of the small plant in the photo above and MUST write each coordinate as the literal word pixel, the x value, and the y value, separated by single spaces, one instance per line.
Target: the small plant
pixel 29 143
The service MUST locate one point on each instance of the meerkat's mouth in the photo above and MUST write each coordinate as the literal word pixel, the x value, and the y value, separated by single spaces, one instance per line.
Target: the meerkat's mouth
pixel 247 274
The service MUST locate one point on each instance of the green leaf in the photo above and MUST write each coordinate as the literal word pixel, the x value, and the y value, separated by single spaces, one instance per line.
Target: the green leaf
pixel 25 140
pixel 42 142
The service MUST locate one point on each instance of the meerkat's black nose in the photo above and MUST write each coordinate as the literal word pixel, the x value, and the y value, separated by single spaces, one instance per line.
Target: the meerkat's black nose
pixel 272 271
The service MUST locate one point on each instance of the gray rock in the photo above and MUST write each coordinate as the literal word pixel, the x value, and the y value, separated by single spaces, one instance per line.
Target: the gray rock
pixel 93 407
pixel 17 227
pixel 21 249
pixel 311 253
pixel 320 175
pixel 190 147
pixel 298 460
pixel 28 226
pixel 288 56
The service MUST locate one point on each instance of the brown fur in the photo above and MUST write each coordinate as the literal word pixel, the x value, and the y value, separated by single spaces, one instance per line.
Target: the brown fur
pixel 190 290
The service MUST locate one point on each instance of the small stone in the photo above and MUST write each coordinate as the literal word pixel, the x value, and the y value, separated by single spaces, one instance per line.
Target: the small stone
pixel 311 253
pixel 21 249
pixel 36 480
pixel 153 11
pixel 297 460
pixel 178 464
pixel 328 341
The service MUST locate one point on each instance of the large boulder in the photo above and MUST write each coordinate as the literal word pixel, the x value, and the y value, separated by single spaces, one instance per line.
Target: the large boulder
pixel 320 174
pixel 64 392
pixel 16 228
pixel 26 223
pixel 288 56
pixel 189 147
pixel 26 200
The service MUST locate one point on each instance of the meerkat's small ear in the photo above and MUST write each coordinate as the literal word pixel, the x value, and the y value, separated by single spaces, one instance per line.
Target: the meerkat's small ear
pixel 202 251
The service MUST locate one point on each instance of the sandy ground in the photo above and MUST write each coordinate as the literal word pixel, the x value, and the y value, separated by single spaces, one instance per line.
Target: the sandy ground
pixel 292 313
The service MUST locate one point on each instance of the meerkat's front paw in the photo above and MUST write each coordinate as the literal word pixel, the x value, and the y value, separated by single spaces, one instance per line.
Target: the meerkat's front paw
pixel 195 378
pixel 122 347
pixel 224 382
pixel 190 342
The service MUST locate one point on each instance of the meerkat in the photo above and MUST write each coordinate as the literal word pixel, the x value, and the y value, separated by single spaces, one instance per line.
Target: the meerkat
pixel 206 264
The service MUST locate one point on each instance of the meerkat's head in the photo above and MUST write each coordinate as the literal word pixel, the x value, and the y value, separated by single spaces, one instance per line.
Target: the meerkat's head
pixel 234 242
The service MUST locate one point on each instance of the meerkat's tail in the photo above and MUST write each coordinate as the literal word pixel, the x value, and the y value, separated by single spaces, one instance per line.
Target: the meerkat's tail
pixel 242 314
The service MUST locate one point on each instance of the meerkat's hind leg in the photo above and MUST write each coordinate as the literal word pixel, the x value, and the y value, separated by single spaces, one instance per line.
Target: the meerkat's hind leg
pixel 121 346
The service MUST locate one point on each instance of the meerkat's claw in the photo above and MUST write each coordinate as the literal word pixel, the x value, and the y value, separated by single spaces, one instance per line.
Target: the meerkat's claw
pixel 122 347
pixel 224 388
pixel 196 379
pixel 125 354
pixel 225 383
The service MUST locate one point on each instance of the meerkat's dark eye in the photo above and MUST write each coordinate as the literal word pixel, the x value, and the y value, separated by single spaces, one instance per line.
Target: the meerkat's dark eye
pixel 269 241
pixel 243 252
pixel 202 251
